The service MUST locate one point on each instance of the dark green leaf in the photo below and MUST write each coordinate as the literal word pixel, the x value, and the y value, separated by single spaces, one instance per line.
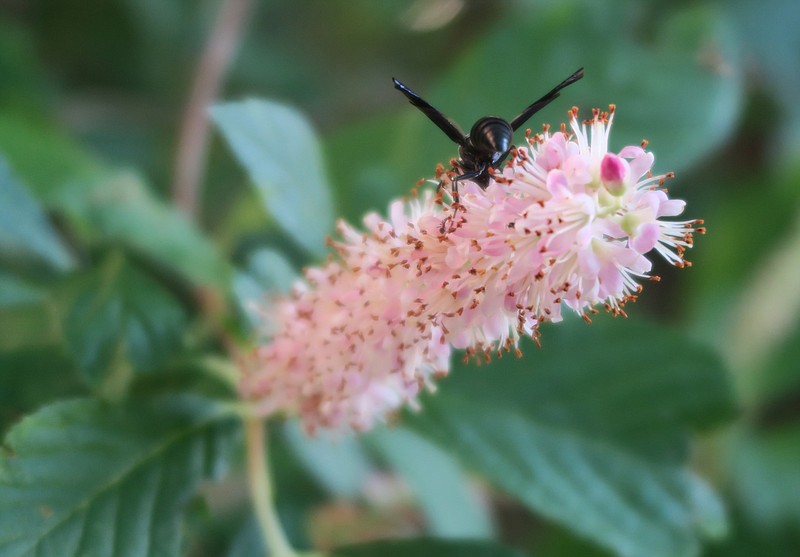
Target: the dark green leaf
pixel 84 478
pixel 767 476
pixel 30 324
pixel 621 501
pixel 750 540
pixel 32 377
pixel 450 504
pixel 281 153
pixel 594 436
pixel 427 548
pixel 384 170
pixel 24 229
pixel 119 319
pixel 248 541
pixel 23 83
pixel 779 380
pixel 767 29
pixel 635 384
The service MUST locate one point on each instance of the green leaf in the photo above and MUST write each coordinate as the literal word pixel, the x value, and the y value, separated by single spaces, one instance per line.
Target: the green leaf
pixel 32 377
pixel 427 548
pixel 621 501
pixel 103 204
pixel 769 302
pixel 25 231
pixel 248 541
pixel 120 207
pixel 117 319
pixel 29 324
pixel 84 478
pixel 280 150
pixel 52 165
pixel 766 476
pixel 24 84
pixel 451 506
pixel 14 291
pixel 595 436
pixel 767 30
pixel 267 274
pixel 668 385
pixel 339 465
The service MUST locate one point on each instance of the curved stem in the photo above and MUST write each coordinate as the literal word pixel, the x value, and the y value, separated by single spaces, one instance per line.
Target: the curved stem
pixel 194 133
pixel 259 479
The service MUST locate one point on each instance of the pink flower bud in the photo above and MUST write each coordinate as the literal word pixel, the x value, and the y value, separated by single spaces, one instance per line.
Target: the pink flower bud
pixel 612 173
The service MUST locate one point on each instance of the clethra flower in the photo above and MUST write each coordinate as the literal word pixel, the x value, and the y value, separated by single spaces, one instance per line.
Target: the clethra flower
pixel 566 224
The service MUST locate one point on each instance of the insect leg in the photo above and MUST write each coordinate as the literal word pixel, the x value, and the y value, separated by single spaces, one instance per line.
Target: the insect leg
pixel 456 198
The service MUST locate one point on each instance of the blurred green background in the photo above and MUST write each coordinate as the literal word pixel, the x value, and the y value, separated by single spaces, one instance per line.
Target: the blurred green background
pixel 93 94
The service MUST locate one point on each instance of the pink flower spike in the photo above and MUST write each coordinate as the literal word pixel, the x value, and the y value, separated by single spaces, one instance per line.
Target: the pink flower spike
pixel 365 333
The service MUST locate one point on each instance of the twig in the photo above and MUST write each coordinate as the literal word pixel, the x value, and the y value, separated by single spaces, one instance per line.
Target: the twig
pixel 193 140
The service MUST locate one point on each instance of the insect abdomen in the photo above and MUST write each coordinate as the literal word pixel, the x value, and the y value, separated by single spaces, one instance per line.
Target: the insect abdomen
pixel 491 135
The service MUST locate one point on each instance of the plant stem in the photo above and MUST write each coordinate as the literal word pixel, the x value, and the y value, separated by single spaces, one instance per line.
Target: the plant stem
pixel 194 133
pixel 260 481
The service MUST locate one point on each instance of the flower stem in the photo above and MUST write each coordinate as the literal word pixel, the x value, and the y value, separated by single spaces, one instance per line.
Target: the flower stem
pixel 260 481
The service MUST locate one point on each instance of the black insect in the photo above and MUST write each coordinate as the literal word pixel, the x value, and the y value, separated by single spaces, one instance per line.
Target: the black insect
pixel 489 140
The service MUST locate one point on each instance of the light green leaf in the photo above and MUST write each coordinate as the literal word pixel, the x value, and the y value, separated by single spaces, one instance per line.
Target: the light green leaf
pixel 267 274
pixel 427 548
pixel 339 465
pixel 280 150
pixel 117 321
pixel 451 506
pixel 47 161
pixel 14 291
pixel 24 229
pixel 120 207
pixel 84 478
pixel 710 514
pixel 103 204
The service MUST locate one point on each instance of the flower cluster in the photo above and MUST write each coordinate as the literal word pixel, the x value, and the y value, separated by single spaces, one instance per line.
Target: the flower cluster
pixel 566 224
